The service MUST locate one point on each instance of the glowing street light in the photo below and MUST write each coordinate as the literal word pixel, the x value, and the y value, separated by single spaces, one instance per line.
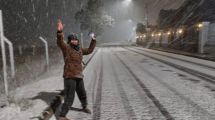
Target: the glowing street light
pixel 153 35
pixel 130 21
pixel 127 2
pixel 200 25
pixel 180 31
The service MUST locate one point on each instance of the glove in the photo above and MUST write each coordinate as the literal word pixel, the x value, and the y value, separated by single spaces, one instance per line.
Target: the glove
pixel 93 36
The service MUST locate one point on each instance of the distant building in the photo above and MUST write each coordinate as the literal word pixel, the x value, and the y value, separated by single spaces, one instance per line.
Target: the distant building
pixel 190 13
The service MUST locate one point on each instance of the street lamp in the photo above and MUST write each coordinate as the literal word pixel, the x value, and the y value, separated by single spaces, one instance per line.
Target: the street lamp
pixel 153 34
pixel 169 33
pixel 130 21
pixel 127 2
pixel 200 25
pixel 180 31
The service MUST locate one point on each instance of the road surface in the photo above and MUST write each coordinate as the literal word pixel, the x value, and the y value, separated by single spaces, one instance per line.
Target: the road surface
pixel 130 83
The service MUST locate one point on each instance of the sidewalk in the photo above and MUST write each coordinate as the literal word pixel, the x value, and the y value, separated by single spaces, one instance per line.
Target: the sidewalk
pixel 27 102
pixel 196 55
pixel 30 100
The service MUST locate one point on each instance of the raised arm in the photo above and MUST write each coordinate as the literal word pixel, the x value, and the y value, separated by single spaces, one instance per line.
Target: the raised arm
pixel 60 36
pixel 87 51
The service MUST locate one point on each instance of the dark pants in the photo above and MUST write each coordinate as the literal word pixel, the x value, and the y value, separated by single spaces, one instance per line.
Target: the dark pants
pixel 70 86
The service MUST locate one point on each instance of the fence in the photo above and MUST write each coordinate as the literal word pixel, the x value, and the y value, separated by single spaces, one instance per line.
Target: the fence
pixel 30 62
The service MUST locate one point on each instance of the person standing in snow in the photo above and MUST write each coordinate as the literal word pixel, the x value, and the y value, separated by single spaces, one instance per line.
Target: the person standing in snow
pixel 73 76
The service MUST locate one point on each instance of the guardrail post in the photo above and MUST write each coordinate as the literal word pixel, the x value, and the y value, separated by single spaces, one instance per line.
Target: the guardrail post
pixel 12 64
pixel 47 50
pixel 4 66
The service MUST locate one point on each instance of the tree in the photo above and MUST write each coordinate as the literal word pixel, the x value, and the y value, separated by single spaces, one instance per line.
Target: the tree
pixel 93 17
pixel 140 28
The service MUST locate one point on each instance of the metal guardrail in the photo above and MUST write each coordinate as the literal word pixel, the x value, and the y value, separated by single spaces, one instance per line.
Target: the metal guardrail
pixel 47 51
pixel 12 63
pixel 4 40
pixel 3 54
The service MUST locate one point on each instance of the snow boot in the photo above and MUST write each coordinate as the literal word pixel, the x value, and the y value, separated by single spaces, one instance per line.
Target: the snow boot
pixel 86 110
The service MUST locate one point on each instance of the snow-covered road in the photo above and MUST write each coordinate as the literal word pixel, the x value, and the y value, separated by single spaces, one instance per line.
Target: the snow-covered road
pixel 124 85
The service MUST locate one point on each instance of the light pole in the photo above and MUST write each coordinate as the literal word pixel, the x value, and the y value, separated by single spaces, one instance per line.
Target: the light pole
pixel 146 15
pixel 133 28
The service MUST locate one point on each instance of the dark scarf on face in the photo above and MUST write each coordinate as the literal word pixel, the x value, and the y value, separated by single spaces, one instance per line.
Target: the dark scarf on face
pixel 76 47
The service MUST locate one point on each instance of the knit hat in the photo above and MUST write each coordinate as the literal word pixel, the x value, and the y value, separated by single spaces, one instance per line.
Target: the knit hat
pixel 72 36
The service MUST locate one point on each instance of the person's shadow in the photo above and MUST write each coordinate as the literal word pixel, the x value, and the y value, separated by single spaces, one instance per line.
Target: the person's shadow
pixel 54 102
pixel 46 96
pixel 51 99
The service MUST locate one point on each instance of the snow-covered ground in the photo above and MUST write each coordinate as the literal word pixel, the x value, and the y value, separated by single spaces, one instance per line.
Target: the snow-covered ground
pixel 27 102
pixel 199 65
pixel 185 96
pixel 180 57
pixel 113 80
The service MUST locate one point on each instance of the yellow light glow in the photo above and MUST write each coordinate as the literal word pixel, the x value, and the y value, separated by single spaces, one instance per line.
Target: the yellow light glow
pixel 168 33
pixel 153 35
pixel 200 25
pixel 180 31
pixel 159 34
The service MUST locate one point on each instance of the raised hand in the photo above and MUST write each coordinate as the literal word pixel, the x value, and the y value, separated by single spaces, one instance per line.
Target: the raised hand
pixel 60 25
pixel 93 36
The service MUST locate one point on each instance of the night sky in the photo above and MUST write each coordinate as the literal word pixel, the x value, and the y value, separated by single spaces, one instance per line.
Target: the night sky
pixel 26 20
